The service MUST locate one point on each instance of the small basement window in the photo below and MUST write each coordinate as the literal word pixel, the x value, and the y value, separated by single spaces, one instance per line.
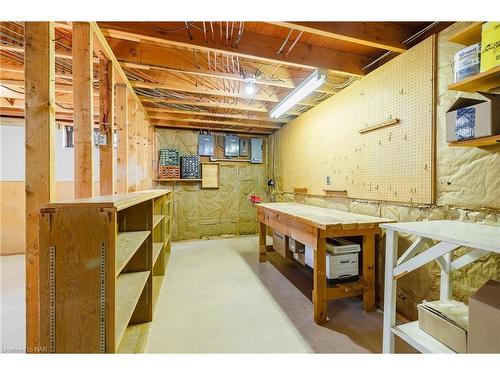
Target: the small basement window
pixel 68 137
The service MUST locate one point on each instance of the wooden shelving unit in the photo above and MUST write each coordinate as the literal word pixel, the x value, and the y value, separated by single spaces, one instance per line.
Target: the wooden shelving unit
pixel 485 81
pixel 445 237
pixel 477 142
pixel 108 257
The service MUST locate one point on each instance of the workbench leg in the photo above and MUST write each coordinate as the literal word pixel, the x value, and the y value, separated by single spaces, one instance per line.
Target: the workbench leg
pixel 391 255
pixel 445 282
pixel 319 293
pixel 369 271
pixel 262 242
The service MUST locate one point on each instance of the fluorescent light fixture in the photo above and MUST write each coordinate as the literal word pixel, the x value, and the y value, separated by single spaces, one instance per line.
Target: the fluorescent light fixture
pixel 311 83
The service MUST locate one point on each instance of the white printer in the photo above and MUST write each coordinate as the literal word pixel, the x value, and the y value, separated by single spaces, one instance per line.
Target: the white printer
pixel 342 258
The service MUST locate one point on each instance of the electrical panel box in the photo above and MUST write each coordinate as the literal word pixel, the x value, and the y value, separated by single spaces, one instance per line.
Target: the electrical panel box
pixel 231 145
pixel 244 147
pixel 256 150
pixel 205 145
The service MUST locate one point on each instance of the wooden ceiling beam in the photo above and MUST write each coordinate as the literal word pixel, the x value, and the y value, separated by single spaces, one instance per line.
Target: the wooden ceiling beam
pixel 152 57
pixel 244 116
pixel 204 121
pixel 174 125
pixel 251 46
pixel 383 35
pixel 177 84
pixel 204 102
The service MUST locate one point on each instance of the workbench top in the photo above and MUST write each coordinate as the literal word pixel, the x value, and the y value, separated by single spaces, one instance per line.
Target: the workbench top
pixel 477 236
pixel 323 218
pixel 116 201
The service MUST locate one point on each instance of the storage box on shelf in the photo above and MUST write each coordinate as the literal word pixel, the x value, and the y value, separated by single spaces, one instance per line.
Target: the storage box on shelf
pixel 102 263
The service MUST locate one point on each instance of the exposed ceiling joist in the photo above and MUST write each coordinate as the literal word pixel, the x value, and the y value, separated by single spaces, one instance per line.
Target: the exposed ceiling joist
pixel 231 92
pixel 249 117
pixel 213 104
pixel 251 45
pixel 150 57
pixel 383 35
pixel 173 117
pixel 177 125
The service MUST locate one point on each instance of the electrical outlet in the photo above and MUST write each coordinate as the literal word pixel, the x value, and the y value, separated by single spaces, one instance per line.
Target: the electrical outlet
pixel 328 180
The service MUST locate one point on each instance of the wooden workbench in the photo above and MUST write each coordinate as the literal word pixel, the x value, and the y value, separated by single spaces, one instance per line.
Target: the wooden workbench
pixel 311 226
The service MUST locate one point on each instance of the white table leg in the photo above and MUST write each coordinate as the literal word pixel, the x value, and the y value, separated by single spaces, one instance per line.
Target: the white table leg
pixel 445 283
pixel 391 255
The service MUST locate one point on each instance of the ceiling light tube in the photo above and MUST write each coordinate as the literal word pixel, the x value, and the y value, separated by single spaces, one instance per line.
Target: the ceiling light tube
pixel 311 83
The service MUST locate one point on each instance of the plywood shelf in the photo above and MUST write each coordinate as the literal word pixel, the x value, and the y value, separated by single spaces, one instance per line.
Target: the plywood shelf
pixel 485 81
pixel 129 287
pixel 157 247
pixel 157 283
pixel 423 342
pixel 126 246
pixel 157 220
pixel 468 35
pixel 477 142
pixel 134 339
pixel 178 180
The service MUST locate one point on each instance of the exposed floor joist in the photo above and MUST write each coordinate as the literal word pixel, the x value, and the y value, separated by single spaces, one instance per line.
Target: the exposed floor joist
pixel 383 35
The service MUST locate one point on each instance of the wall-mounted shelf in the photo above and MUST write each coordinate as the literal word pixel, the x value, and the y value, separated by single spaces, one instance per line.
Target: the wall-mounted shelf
pixel 477 142
pixel 485 81
pixel 468 35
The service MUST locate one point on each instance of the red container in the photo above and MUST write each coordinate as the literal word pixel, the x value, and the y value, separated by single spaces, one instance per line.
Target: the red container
pixel 169 172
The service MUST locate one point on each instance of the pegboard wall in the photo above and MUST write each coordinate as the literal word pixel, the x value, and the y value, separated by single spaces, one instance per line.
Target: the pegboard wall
pixel 389 163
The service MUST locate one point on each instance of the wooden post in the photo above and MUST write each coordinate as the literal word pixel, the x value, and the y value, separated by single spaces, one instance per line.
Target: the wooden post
pixel 132 144
pixel 391 256
pixel 122 135
pixel 319 292
pixel 369 271
pixel 83 108
pixel 39 78
pixel 106 128
pixel 262 243
pixel 140 150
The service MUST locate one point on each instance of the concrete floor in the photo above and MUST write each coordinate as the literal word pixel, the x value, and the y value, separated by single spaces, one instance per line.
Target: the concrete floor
pixel 218 298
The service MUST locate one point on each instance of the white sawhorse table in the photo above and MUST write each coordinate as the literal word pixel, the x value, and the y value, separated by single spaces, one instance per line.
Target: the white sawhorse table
pixel 481 239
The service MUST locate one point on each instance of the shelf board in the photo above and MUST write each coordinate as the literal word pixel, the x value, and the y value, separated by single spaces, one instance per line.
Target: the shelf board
pixel 129 287
pixel 157 283
pixel 178 180
pixel 477 142
pixel 134 339
pixel 423 342
pixel 127 245
pixel 157 246
pixel 156 220
pixel 485 81
pixel 468 35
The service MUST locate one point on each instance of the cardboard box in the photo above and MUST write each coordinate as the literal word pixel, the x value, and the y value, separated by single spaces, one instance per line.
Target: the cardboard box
pixel 446 321
pixel 490 41
pixel 484 319
pixel 280 243
pixel 473 118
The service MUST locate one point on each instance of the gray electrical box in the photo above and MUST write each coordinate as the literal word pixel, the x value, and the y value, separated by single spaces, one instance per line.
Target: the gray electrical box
pixel 256 150
pixel 244 147
pixel 205 145
pixel 231 145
